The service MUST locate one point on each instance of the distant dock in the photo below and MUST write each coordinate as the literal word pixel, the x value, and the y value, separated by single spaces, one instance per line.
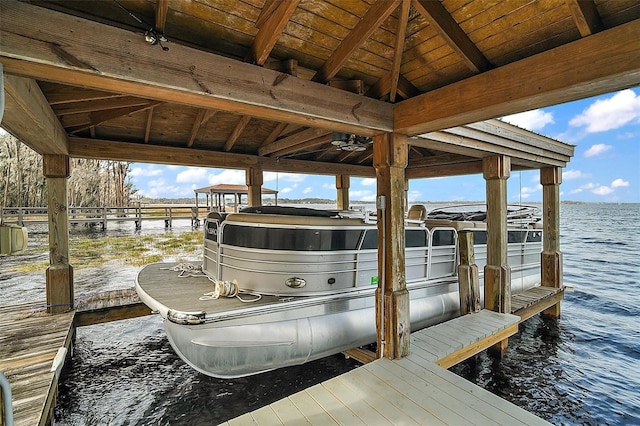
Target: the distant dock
pixel 101 216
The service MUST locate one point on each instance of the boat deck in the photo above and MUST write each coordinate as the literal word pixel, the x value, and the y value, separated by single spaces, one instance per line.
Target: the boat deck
pixel 183 292
pixel 29 342
pixel 411 390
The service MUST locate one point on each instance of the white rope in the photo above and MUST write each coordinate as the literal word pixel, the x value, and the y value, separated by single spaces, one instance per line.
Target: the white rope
pixel 228 289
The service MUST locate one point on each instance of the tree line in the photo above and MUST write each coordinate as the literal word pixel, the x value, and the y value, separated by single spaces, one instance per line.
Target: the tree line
pixel 92 182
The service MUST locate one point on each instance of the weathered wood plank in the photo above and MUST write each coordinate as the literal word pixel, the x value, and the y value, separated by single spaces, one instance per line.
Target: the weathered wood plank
pixel 603 70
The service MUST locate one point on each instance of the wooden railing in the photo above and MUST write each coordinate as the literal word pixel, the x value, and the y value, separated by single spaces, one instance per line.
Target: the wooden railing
pixel 101 216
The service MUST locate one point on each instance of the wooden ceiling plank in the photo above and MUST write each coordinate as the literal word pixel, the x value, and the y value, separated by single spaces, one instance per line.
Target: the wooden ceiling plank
pixel 295 139
pixel 162 7
pixel 203 80
pixel 29 117
pixel 450 31
pixel 233 138
pixel 500 91
pixel 376 14
pixel 196 127
pixel 401 33
pixel 586 16
pixel 270 31
pixel 99 117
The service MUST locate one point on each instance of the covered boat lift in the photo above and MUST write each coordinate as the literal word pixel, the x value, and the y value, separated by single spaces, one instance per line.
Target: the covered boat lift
pixel 284 85
pixel 216 195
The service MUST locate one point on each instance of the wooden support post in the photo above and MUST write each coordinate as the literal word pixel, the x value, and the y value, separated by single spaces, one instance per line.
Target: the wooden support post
pixel 497 273
pixel 59 275
pixel 254 184
pixel 392 297
pixel 468 281
pixel 551 257
pixel 342 187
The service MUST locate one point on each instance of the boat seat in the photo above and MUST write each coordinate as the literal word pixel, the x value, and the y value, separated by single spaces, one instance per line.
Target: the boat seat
pixel 417 212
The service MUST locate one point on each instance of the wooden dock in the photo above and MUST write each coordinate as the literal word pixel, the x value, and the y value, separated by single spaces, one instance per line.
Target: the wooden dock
pixel 30 339
pixel 411 390
pixel 101 216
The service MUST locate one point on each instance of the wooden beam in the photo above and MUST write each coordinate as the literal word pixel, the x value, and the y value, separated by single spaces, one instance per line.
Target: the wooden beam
pixel 383 87
pixel 162 6
pixel 311 143
pixel 277 131
pixel 267 10
pixel 233 138
pixel 57 94
pixel 295 139
pixel 136 152
pixel 270 31
pixel 61 51
pixel 98 117
pixel 441 20
pixel 392 298
pixel 376 14
pixel 401 33
pixel 29 117
pixel 147 129
pixel 342 188
pixel 113 313
pixel 470 167
pixel 585 15
pixel 551 257
pixel 196 126
pixel 98 105
pixel 608 61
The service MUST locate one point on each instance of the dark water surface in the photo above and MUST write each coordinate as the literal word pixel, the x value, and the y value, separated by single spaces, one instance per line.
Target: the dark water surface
pixel 581 369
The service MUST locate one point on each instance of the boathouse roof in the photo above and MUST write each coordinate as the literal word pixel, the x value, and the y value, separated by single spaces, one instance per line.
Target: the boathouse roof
pixel 231 189
pixel 266 84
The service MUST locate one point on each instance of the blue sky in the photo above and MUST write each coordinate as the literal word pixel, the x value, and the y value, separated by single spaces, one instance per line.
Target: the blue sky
pixel 605 167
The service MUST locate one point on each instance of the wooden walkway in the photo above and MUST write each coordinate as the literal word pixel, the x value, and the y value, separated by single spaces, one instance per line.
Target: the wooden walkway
pixel 535 300
pixel 412 390
pixel 29 342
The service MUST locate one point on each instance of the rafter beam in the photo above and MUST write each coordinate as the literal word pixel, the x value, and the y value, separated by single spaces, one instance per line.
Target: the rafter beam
pixel 235 135
pixel 270 31
pixel 29 117
pixel 98 105
pixel 57 95
pixel 195 127
pixel 585 15
pixel 277 131
pixel 501 91
pixel 99 117
pixel 61 52
pixel 438 17
pixel 376 14
pixel 289 141
pixel 383 87
pixel 147 129
pixel 162 6
pixel 399 50
pixel 320 140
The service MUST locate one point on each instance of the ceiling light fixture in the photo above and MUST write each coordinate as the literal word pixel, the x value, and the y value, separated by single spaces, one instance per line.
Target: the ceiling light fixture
pixel 350 141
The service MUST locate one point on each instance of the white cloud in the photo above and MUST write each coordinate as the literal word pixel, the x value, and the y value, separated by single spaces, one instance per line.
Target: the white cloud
pixel 307 190
pixel 597 149
pixel 329 186
pixel 232 177
pixel 611 113
pixel 527 191
pixel 285 190
pixel 574 174
pixel 192 174
pixel 283 177
pixel 619 183
pixel 145 172
pixel 368 181
pixel 535 119
pixel 602 190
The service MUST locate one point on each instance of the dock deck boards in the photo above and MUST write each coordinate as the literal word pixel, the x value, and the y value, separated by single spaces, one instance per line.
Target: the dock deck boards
pixel 29 342
pixel 411 390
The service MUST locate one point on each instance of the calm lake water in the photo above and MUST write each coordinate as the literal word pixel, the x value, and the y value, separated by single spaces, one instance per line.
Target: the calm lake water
pixel 581 369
